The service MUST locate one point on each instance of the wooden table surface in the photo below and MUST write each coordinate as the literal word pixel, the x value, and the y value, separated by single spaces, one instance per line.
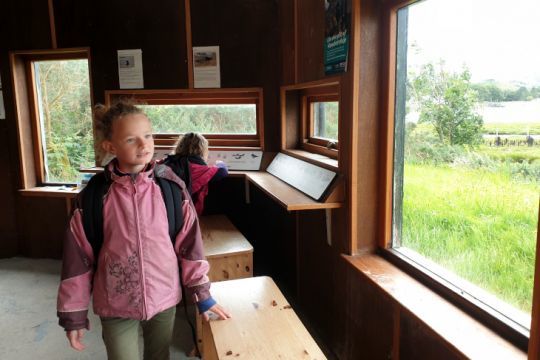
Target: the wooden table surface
pixel 263 324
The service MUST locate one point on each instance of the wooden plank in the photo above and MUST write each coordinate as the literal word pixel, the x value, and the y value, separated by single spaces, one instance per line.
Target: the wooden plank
pixel 459 331
pixel 189 45
pixel 263 324
pixel 287 196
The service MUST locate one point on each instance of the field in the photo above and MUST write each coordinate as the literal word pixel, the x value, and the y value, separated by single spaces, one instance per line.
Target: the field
pixel 480 224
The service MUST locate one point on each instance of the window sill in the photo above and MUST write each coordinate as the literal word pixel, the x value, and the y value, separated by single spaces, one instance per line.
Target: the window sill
pixel 69 192
pixel 316 159
pixel 465 335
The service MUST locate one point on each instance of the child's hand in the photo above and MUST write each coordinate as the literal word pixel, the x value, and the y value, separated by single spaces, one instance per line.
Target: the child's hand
pixel 75 339
pixel 219 311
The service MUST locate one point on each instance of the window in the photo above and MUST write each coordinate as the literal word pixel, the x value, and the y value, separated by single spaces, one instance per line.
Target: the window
pixel 54 108
pixel 310 118
pixel 466 150
pixel 226 117
pixel 323 120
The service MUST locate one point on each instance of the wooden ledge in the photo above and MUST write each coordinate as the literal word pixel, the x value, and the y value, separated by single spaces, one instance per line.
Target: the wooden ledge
pixel 284 194
pixel 69 192
pixel 462 333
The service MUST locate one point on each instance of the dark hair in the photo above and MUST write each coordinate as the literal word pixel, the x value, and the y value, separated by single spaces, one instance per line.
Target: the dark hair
pixel 105 116
pixel 191 144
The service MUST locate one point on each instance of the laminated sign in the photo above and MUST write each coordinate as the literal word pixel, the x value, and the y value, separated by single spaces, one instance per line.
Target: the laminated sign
pixel 337 35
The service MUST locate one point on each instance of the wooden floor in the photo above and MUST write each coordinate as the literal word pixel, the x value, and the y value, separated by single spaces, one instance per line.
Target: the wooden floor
pixel 28 322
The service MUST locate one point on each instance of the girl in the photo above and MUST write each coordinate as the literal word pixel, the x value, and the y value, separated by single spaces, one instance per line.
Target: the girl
pixel 189 163
pixel 135 276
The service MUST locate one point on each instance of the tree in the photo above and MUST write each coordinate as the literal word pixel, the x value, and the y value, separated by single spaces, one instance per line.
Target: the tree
pixel 447 101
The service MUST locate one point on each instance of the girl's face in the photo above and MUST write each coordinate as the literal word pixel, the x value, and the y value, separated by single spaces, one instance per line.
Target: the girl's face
pixel 132 142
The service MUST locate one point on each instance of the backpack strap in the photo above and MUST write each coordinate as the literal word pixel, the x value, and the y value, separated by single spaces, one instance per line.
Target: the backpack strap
pixel 92 198
pixel 92 206
pixel 172 195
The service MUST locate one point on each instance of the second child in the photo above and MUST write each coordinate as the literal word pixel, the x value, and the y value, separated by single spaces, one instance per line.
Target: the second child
pixel 189 162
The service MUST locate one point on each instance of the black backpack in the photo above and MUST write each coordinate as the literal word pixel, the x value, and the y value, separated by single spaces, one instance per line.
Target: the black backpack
pixel 92 206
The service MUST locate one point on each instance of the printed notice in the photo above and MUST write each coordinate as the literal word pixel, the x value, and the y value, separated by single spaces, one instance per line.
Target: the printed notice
pixel 312 180
pixel 130 69
pixel 336 40
pixel 237 160
pixel 206 72
pixel 2 110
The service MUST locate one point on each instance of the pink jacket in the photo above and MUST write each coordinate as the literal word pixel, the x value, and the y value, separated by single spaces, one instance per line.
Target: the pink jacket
pixel 200 177
pixel 137 274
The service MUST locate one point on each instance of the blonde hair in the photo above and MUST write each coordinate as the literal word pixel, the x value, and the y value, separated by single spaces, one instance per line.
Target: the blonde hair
pixel 104 118
pixel 191 144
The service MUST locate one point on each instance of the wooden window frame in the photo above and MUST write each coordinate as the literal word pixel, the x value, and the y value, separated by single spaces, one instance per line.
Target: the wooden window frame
pixel 32 163
pixel 297 120
pixel 206 97
pixel 469 304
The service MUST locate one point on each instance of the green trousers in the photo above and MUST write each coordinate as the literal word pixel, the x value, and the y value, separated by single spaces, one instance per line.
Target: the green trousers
pixel 121 336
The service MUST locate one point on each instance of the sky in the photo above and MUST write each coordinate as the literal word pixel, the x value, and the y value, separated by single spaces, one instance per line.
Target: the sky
pixel 496 39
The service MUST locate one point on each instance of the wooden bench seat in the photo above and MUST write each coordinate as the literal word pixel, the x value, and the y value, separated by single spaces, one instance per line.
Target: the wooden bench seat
pixel 263 324
pixel 229 253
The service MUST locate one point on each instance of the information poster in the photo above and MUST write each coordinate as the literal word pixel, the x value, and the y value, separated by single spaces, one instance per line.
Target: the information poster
pixel 206 72
pixel 337 35
pixel 130 69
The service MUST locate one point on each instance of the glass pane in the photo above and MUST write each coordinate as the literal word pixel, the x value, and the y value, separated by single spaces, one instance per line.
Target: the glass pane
pixel 63 89
pixel 467 150
pixel 207 119
pixel 325 119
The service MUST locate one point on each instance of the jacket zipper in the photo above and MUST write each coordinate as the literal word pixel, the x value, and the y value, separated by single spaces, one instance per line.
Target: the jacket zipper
pixel 141 267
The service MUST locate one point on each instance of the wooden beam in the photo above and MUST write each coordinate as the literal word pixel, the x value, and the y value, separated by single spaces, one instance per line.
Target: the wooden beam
pixel 52 25
pixel 189 44
pixel 295 41
pixel 534 338
pixel 354 88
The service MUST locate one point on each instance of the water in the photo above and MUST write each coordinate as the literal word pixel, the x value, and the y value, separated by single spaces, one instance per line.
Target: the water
pixel 511 112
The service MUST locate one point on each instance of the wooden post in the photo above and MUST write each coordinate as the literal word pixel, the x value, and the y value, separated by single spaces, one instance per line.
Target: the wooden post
pixel 189 44
pixel 52 25
pixel 534 339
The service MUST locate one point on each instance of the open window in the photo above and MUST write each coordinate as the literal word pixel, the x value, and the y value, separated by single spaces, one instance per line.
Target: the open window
pixel 54 115
pixel 464 184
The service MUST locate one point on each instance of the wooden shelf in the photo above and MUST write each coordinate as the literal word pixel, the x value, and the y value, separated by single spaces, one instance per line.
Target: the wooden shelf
pixel 470 338
pixel 69 192
pixel 287 196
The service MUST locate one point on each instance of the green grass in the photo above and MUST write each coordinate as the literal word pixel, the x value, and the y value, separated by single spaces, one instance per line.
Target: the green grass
pixel 511 153
pixel 479 224
pixel 512 128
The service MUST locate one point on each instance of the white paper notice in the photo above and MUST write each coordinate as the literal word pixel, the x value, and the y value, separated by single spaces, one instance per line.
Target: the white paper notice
pixel 206 73
pixel 130 69
pixel 2 110
pixel 237 160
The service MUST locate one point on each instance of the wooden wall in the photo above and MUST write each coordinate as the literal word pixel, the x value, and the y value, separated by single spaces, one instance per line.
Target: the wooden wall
pixel 247 32
pixel 263 43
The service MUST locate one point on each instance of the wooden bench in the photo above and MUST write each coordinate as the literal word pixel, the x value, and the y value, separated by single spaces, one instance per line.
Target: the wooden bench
pixel 263 324
pixel 229 253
